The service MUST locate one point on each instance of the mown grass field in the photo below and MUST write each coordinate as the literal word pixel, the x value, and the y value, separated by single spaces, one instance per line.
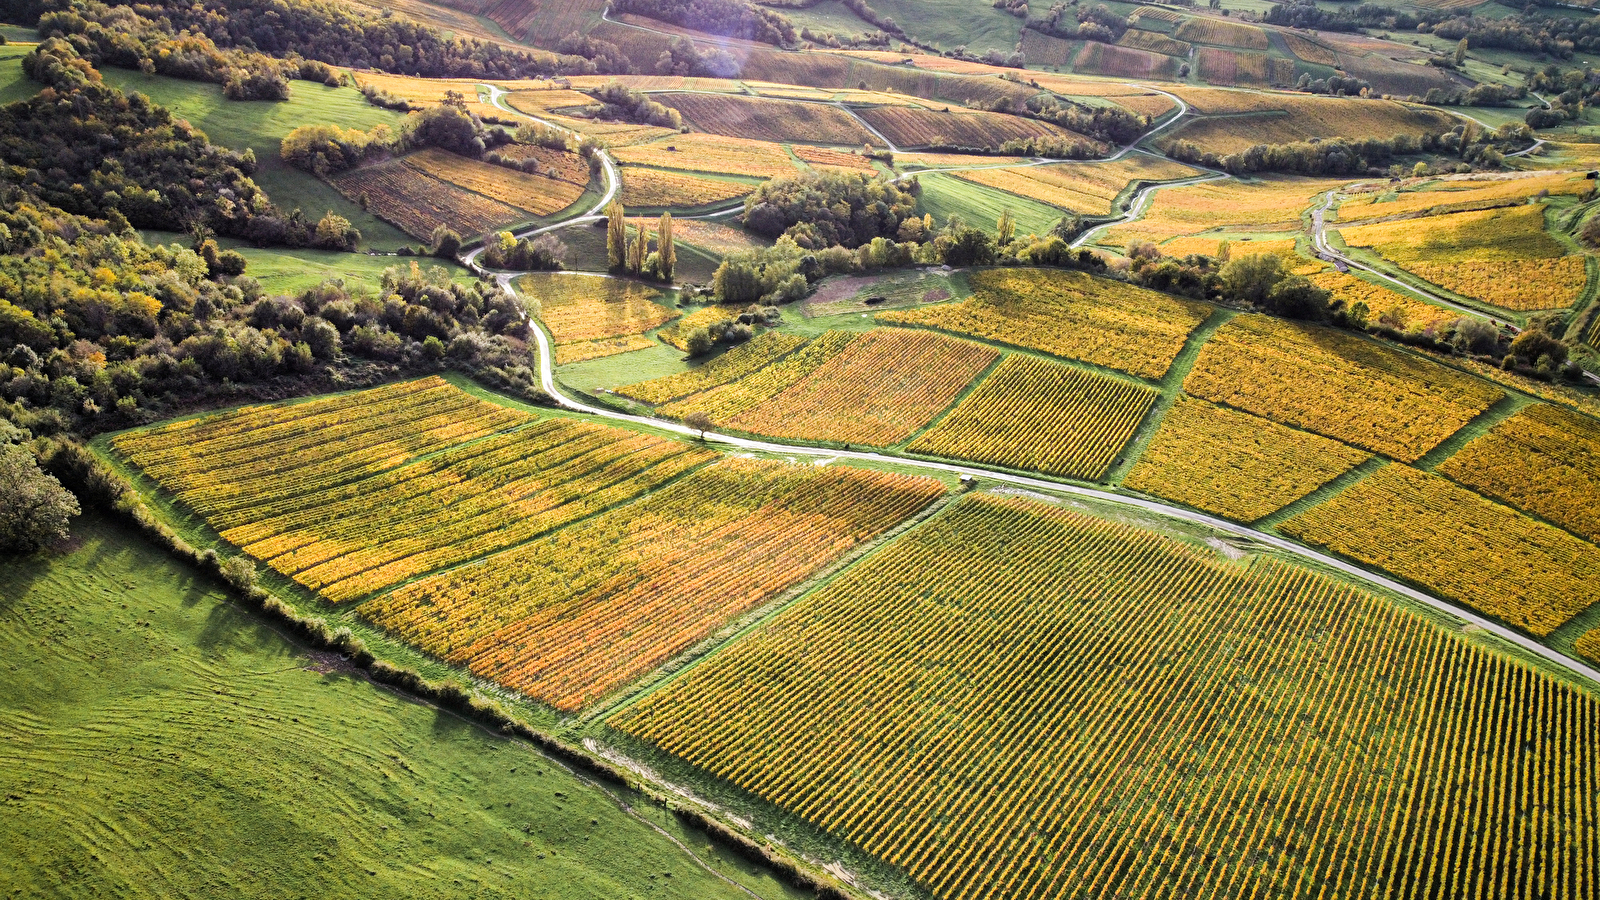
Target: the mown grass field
pixel 161 742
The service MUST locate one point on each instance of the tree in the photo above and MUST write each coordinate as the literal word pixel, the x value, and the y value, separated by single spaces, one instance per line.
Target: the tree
pixel 667 253
pixel 1295 297
pixel 1461 52
pixel 1006 228
pixel 1248 279
pixel 699 342
pixel 446 243
pixel 700 422
pixel 34 507
pixel 638 248
pixel 616 236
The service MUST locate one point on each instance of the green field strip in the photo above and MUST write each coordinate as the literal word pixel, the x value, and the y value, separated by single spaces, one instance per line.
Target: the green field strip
pixel 1171 387
pixel 1478 425
pixel 1327 492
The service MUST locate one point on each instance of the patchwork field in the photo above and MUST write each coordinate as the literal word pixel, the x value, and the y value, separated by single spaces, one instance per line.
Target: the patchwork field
pixel 1077 420
pixel 1271 204
pixel 1458 545
pixel 1069 314
pixel 571 618
pixel 1087 189
pixel 1234 464
pixel 418 203
pixel 1544 460
pixel 589 317
pixel 1225 127
pixel 710 153
pixel 980 706
pixel 910 127
pixel 1502 256
pixel 769 120
pixel 1337 385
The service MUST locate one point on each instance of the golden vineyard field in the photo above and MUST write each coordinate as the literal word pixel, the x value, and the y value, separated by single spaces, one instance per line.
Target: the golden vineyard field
pixel 1077 421
pixel 1545 460
pixel 1087 189
pixel 642 187
pixel 1069 314
pixel 418 203
pixel 538 194
pixel 726 402
pixel 586 315
pixel 1231 463
pixel 710 153
pixel 731 366
pixel 1018 701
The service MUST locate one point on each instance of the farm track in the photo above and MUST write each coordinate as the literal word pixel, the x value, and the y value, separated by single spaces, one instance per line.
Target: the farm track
pixel 1526 644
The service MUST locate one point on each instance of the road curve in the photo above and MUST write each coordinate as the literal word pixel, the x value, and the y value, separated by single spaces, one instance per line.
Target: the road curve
pixel 548 382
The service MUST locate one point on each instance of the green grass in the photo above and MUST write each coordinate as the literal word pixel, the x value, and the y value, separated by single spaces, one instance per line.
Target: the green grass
pixel 975 24
pixel 261 127
pixel 292 271
pixel 160 742
pixel 14 85
pixel 981 207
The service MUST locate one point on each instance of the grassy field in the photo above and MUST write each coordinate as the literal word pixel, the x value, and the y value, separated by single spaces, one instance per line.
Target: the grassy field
pixel 944 196
pixel 160 742
pixel 261 126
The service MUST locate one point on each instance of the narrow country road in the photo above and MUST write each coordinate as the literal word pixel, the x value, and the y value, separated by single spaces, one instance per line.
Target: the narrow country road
pixel 548 382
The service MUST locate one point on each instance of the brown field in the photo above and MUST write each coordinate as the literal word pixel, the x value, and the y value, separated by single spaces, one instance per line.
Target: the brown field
pixel 711 153
pixel 822 157
pixel 909 127
pixel 1390 76
pixel 537 194
pixel 1096 58
pixel 566 166
pixel 952 160
pixel 418 203
pixel 1311 51
pixel 1206 30
pixel 769 120
pixel 1233 67
pixel 657 188
pixel 1087 188
pixel 1154 42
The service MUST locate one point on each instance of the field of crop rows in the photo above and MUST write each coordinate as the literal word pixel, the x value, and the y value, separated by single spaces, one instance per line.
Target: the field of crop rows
pixel 1337 385
pixel 710 153
pixel 1392 308
pixel 731 366
pixel 1545 460
pixel 909 127
pixel 1309 50
pixel 649 188
pixel 1155 42
pixel 1272 204
pixel 570 618
pixel 1042 416
pixel 1289 117
pixel 1207 30
pixel 1017 701
pixel 538 194
pixel 1087 189
pixel 782 121
pixel 1069 314
pixel 725 402
pixel 418 203
pixel 823 158
pixel 1236 465
pixel 1426 529
pixel 1095 58
pixel 1440 196
pixel 586 314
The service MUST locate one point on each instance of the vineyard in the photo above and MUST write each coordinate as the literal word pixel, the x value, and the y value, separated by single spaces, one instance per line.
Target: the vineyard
pixel 653 187
pixel 1286 118
pixel 1309 50
pixel 1501 256
pixel 1234 464
pixel 1391 308
pixel 1588 645
pixel 1545 460
pixel 731 366
pixel 1439 196
pixel 1232 67
pixel 418 203
pixel 1154 42
pixel 1338 385
pixel 880 389
pixel 1206 30
pixel 347 530
pixel 538 194
pixel 570 618
pixel 781 121
pixel 1272 204
pixel 910 127
pixel 589 317
pixel 822 157
pixel 1096 58
pixel 1018 701
pixel 1069 314
pixel 1087 189
pixel 569 167
pixel 1076 421
pixel 726 402
pixel 710 153
pixel 1459 545
pixel 677 334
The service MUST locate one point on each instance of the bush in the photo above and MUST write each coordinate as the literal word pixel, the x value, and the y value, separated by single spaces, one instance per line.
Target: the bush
pixel 34 507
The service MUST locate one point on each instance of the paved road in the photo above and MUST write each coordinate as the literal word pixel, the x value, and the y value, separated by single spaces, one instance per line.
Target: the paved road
pixel 548 382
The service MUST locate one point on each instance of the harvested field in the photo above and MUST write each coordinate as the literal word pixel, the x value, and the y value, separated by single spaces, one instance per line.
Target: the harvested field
pixel 1458 545
pixel 1545 460
pixel 538 194
pixel 1096 58
pixel 1088 188
pixel 1234 464
pixel 570 618
pixel 1131 716
pixel 643 187
pixel 1208 30
pixel 710 153
pixel 781 121
pixel 822 157
pixel 418 203
pixel 909 127
pixel 1344 387
pixel 1077 421
pixel 1069 314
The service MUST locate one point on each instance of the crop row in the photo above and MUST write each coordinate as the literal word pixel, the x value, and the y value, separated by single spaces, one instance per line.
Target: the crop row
pixel 579 308
pixel 783 121
pixel 725 402
pixel 1095 58
pixel 1155 42
pixel 570 618
pixel 418 203
pixel 1087 189
pixel 1459 195
pixel 1016 701
pixel 1458 545
pixel 1309 50
pixel 538 194
pixel 711 153
pixel 1042 416
pixel 1234 464
pixel 1391 308
pixel 1545 460
pixel 1207 30
pixel 880 389
pixel 1069 314
pixel 910 127
pixel 731 366
pixel 1344 387
pixel 655 187
pixel 838 159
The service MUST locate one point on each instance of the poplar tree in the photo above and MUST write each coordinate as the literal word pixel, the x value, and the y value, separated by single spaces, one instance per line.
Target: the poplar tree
pixel 616 236
pixel 666 254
